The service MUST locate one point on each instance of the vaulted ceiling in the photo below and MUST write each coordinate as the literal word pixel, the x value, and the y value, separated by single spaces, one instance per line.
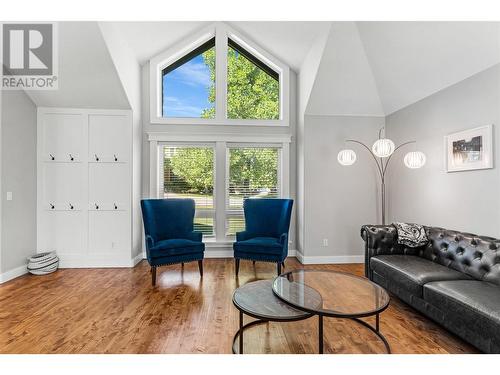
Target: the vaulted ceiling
pixel 366 68
pixel 377 68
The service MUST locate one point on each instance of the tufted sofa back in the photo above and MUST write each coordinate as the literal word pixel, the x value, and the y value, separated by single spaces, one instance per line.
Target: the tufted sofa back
pixel 476 256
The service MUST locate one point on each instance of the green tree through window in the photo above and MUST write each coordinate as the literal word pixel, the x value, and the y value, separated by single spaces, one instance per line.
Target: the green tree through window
pixel 252 93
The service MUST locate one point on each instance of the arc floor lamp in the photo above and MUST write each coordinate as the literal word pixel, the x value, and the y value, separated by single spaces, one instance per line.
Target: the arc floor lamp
pixel 382 151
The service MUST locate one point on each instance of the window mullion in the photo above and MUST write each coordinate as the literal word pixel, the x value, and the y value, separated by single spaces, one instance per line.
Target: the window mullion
pixel 221 73
pixel 220 191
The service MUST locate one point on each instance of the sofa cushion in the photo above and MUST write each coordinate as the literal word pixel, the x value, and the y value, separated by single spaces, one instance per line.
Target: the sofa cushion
pixel 471 307
pixel 411 272
pixel 175 247
pixel 259 245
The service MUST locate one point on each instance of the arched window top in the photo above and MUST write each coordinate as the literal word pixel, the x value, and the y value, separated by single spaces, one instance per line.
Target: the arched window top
pixel 218 77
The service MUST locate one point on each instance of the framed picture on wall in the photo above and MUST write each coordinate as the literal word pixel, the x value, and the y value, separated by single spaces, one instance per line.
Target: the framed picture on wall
pixel 469 149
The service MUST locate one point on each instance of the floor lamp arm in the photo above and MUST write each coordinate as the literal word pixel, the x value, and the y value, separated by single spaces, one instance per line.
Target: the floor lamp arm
pixel 379 165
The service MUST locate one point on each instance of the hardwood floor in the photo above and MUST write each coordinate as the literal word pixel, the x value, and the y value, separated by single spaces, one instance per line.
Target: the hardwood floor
pixel 117 311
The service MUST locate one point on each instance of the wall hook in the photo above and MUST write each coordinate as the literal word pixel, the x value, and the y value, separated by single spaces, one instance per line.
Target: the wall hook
pixel 116 207
pixel 96 206
pixel 52 157
pixel 116 159
pixel 52 206
pixel 96 157
pixel 71 157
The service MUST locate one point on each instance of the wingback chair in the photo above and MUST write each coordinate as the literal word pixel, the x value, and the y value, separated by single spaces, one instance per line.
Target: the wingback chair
pixel 170 239
pixel 267 221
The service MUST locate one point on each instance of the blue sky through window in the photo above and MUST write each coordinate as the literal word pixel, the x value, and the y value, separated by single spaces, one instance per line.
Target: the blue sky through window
pixel 185 89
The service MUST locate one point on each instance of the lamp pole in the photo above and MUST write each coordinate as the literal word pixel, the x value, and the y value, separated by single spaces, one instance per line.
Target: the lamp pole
pixel 382 168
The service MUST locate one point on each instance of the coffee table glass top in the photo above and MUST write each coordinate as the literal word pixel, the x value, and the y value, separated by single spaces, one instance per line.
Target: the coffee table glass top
pixel 342 294
pixel 257 299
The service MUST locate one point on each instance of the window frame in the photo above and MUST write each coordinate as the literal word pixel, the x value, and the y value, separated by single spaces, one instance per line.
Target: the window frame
pixel 222 32
pixel 221 143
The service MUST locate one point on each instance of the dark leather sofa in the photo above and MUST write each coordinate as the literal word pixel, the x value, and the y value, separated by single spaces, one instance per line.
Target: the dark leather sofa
pixel 454 279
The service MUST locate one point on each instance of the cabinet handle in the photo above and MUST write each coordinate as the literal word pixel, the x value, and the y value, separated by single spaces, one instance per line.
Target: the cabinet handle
pixel 71 157
pixel 52 157
pixel 71 206
pixel 96 206
pixel 116 159
pixel 96 157
pixel 52 206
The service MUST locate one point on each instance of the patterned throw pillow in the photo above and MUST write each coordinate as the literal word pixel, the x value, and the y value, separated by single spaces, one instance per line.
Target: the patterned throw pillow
pixel 411 235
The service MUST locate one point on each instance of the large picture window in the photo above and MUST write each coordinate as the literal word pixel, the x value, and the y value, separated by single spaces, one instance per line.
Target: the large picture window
pixel 188 172
pixel 217 77
pixel 247 171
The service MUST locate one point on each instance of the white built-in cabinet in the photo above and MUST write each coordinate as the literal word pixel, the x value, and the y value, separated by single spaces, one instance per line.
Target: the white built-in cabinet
pixel 85 186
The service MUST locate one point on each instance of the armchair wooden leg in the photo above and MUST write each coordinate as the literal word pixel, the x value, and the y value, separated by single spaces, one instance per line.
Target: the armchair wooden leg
pixel 200 266
pixel 153 275
pixel 279 268
pixel 236 266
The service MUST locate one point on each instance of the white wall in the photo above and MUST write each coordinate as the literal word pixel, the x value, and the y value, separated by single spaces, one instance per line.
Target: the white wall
pixel 305 83
pixel 338 199
pixel 466 201
pixel 18 158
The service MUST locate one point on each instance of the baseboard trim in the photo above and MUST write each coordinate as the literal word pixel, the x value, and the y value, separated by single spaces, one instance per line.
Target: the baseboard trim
pixel 139 257
pixel 333 259
pixel 12 274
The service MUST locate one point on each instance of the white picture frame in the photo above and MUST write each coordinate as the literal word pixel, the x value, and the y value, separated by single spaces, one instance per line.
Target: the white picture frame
pixel 470 149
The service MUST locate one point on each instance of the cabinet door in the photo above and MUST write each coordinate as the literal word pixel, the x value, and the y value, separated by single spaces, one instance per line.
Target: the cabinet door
pixel 63 136
pixel 109 184
pixel 63 232
pixel 63 185
pixel 109 231
pixel 110 138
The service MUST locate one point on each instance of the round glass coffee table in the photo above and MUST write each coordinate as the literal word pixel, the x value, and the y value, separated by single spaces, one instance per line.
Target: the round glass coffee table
pixel 342 296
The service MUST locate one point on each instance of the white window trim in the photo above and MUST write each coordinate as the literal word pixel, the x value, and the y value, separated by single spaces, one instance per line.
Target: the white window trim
pixel 222 143
pixel 222 32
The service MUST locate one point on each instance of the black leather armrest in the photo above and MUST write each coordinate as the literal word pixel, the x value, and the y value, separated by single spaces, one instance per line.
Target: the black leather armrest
pixel 379 240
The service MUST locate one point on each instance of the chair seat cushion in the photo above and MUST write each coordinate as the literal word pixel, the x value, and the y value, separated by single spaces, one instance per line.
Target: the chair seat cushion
pixel 412 272
pixel 259 245
pixel 471 307
pixel 175 247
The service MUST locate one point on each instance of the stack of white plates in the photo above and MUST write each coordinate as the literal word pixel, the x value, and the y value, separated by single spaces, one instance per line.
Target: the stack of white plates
pixel 43 263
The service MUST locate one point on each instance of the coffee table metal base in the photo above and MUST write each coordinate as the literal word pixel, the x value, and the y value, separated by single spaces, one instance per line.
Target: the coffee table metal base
pixel 238 336
pixel 375 330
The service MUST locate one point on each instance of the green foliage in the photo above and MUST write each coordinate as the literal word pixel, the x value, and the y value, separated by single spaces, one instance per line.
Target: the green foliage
pixel 253 168
pixel 251 92
pixel 194 166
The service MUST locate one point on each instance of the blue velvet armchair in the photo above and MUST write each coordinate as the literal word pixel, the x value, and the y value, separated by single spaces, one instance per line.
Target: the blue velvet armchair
pixel 170 239
pixel 267 221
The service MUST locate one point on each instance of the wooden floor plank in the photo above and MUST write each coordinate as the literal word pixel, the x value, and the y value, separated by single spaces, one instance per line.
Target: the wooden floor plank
pixel 117 311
